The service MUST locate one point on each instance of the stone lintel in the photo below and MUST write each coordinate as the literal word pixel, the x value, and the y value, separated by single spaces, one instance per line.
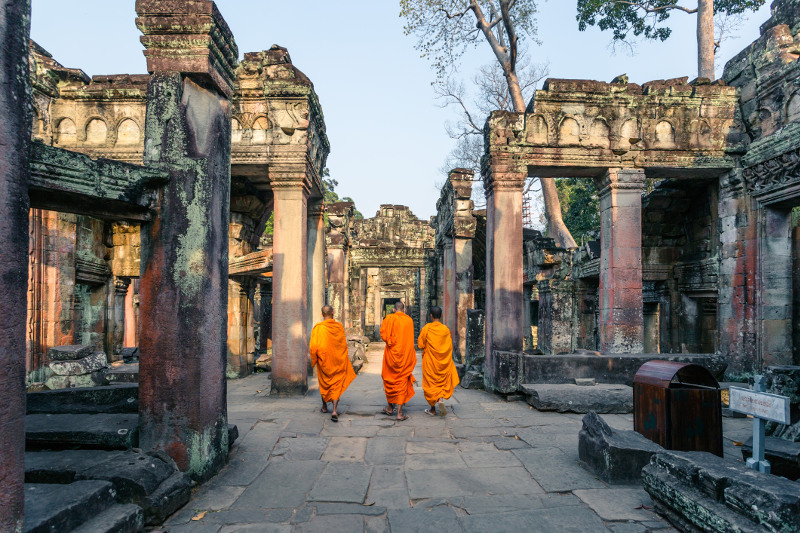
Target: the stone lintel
pixel 253 264
pixel 188 36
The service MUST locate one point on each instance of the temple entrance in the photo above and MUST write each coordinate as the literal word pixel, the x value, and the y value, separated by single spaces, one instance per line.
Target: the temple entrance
pixel 388 305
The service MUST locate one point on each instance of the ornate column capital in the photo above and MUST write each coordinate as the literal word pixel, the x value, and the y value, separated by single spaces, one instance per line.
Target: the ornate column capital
pixel 620 179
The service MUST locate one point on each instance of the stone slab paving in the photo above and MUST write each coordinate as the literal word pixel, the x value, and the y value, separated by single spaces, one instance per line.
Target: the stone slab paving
pixel 489 465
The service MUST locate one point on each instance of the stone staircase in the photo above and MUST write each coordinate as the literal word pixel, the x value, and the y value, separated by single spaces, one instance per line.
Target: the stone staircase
pixel 83 506
pixel 83 471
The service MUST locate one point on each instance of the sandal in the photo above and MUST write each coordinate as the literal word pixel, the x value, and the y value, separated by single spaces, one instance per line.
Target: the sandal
pixel 430 411
pixel 442 408
pixel 402 418
pixel 387 412
pixel 334 418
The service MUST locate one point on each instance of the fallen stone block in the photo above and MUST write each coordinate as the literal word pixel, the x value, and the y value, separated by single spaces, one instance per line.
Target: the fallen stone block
pixel 472 380
pixel 130 355
pixel 233 434
pixel 50 508
pixel 783 456
pixel 70 352
pixel 460 369
pixel 698 490
pixel 615 456
pixel 122 398
pixel 79 367
pixel 92 431
pixel 170 496
pixel 569 398
pixel 123 373
pixel 93 379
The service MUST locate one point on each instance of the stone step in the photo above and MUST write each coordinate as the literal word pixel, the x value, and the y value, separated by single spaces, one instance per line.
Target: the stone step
pixel 123 373
pixel 50 508
pixel 87 431
pixel 149 482
pixel 122 398
pixel 564 398
pixel 126 518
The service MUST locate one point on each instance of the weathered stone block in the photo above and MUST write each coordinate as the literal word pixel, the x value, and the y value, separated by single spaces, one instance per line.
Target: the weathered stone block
pixel 70 352
pixel 65 507
pixel 97 431
pixel 472 380
pixel 130 355
pixel 614 456
pixel 80 367
pixel 714 494
pixel 578 399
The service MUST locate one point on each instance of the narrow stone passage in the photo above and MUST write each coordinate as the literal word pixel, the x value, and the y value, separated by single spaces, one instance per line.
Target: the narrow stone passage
pixel 489 465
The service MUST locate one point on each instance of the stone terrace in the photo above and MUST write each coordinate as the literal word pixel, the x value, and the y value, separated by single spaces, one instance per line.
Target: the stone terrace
pixel 489 465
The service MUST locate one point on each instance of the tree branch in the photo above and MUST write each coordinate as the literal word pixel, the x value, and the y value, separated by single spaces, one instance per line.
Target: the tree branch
pixel 647 9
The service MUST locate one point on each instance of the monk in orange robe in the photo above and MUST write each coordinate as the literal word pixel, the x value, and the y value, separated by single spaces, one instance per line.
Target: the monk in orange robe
pixel 328 348
pixel 399 360
pixel 439 375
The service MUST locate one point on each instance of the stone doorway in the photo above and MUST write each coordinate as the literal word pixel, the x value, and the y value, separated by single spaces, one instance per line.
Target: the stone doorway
pixel 387 304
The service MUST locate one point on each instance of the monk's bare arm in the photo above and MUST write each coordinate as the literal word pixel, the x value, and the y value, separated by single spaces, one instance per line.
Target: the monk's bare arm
pixel 423 335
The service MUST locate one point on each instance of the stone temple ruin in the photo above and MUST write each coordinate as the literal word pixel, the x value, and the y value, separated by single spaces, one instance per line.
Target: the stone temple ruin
pixel 137 273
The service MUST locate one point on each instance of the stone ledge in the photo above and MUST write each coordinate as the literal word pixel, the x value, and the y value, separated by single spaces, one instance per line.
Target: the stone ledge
pixel 601 398
pixel 698 490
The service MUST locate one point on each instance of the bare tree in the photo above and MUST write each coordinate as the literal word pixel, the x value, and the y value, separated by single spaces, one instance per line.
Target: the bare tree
pixel 445 29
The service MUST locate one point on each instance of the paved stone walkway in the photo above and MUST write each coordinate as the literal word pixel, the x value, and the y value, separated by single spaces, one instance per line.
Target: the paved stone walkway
pixel 489 465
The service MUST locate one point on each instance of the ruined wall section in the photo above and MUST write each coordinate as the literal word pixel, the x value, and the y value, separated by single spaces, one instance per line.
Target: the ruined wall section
pixel 387 262
pixel 755 323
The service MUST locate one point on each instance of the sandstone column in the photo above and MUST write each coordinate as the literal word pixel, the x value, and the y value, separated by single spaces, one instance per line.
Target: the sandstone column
pixel 15 124
pixel 182 406
pixel 337 243
pixel 239 327
pixel 463 232
pixel 449 310
pixel 504 326
pixel 121 286
pixel 316 262
pixel 621 321
pixel 289 287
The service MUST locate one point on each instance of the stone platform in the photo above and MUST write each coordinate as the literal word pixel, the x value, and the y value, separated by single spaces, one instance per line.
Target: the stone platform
pixel 614 369
pixel 87 431
pixel 600 398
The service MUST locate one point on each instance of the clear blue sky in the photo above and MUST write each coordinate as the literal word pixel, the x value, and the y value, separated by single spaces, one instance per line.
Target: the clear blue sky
pixel 386 130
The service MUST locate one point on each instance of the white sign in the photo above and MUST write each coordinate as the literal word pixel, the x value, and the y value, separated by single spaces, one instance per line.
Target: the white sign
pixel 760 405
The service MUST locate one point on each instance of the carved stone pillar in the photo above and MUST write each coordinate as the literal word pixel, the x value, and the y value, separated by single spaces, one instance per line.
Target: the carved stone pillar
pixel 239 327
pixel 289 287
pixel 15 124
pixel 337 243
pixel 316 262
pixel 184 256
pixel 621 320
pixel 504 324
pixel 121 287
pixel 449 303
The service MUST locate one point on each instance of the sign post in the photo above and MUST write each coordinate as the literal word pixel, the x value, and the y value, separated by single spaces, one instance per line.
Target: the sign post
pixel 761 406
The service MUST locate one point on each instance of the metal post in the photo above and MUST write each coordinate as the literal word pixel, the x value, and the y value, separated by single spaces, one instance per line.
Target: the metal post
pixel 757 461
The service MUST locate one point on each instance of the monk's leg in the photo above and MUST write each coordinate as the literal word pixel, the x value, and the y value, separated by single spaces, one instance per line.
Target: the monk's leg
pixel 324 406
pixel 335 408
pixel 400 414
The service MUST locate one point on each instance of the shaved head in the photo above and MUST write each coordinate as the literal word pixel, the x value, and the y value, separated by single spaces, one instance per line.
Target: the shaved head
pixel 399 306
pixel 327 311
pixel 436 313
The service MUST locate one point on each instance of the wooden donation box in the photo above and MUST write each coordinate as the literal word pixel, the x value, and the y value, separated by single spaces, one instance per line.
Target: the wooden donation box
pixel 678 406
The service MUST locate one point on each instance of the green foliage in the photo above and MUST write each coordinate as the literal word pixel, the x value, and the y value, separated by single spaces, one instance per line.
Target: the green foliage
pixel 643 17
pixel 269 229
pixel 579 206
pixel 330 196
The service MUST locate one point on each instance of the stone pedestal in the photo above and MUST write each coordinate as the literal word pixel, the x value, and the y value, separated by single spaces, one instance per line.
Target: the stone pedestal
pixel 289 287
pixel 15 122
pixel 621 320
pixel 503 279
pixel 555 316
pixel 184 257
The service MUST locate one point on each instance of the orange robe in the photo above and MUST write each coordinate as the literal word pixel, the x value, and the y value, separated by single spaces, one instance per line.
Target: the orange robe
pixel 399 357
pixel 439 375
pixel 328 348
